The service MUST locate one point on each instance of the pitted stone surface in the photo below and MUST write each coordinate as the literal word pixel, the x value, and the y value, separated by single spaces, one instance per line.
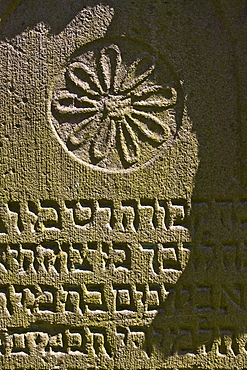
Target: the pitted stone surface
pixel 123 208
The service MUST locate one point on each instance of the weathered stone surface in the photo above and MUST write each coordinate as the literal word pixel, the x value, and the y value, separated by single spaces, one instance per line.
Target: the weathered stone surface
pixel 123 206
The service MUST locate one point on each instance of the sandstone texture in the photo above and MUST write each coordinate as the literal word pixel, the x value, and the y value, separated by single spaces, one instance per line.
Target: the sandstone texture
pixel 123 174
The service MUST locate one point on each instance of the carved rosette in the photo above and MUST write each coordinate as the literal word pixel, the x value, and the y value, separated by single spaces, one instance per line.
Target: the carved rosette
pixel 113 113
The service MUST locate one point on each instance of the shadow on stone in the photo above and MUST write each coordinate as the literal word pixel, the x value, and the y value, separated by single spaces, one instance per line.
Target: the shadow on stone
pixel 18 16
pixel 205 312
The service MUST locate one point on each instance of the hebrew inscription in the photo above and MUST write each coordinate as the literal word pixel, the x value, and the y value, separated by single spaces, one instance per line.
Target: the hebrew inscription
pixel 112 109
pixel 58 293
pixel 62 280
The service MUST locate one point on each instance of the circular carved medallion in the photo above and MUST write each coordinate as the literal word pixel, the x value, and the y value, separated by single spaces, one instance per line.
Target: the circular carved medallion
pixel 116 105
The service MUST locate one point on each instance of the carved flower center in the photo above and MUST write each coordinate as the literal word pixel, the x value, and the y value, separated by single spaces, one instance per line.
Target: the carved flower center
pixel 115 105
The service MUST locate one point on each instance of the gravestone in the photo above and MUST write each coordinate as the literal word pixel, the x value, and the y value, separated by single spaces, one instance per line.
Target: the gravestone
pixel 123 212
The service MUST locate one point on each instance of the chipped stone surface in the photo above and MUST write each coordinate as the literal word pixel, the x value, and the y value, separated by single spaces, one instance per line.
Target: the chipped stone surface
pixel 123 206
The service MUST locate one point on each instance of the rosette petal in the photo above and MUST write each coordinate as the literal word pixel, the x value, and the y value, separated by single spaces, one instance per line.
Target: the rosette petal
pixel 165 99
pixel 103 139
pixel 138 72
pixel 128 142
pixel 73 137
pixel 86 78
pixel 149 125
pixel 151 88
pixel 72 109
pixel 111 63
